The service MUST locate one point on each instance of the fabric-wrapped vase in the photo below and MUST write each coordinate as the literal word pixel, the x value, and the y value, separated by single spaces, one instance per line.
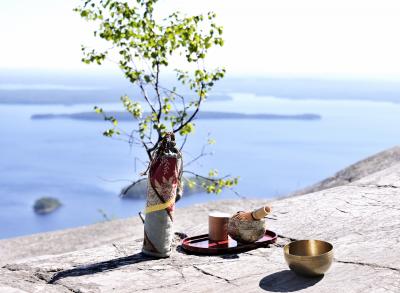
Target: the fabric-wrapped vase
pixel 164 188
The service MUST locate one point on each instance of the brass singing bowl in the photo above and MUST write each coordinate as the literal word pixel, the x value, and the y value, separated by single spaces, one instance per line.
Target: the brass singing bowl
pixel 309 257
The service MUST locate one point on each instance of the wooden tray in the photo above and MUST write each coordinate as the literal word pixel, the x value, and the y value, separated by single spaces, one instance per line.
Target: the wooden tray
pixel 202 245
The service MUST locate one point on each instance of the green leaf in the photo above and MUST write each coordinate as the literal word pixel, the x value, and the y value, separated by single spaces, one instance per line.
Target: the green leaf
pixel 211 141
pixel 187 129
pixel 98 110
pixel 84 13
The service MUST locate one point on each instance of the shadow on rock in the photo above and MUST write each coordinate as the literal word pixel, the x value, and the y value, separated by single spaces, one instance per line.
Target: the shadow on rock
pixel 287 281
pixel 100 267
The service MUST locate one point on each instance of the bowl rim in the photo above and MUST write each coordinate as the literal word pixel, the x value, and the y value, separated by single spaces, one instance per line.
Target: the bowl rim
pixel 286 249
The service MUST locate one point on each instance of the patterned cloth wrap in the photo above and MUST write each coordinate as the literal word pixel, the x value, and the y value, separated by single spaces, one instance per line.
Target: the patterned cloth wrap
pixel 164 188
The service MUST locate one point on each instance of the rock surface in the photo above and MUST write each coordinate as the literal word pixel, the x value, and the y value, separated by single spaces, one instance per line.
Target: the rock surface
pixel 361 220
pixel 357 171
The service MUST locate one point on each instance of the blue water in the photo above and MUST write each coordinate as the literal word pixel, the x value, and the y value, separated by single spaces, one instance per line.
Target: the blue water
pixel 71 160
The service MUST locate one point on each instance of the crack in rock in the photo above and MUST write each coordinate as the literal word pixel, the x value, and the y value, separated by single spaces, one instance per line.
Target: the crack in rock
pixel 68 288
pixel 32 273
pixel 377 185
pixel 161 287
pixel 386 186
pixel 286 237
pixel 372 265
pixel 36 276
pixel 342 211
pixel 215 276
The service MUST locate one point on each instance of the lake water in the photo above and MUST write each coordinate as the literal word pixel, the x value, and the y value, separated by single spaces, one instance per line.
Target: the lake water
pixel 71 160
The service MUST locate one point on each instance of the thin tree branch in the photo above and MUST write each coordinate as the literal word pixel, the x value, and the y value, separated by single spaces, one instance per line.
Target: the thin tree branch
pixel 183 124
pixel 171 91
pixel 148 150
pixel 126 190
pixel 158 91
pixel 144 92
pixel 183 143
pixel 202 154
pixel 205 177
pixel 237 193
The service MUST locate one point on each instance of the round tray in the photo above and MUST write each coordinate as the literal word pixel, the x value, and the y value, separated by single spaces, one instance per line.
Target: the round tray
pixel 202 245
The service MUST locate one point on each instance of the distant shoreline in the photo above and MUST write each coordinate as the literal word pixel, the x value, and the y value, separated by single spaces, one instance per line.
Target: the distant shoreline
pixel 76 97
pixel 125 116
pixel 70 89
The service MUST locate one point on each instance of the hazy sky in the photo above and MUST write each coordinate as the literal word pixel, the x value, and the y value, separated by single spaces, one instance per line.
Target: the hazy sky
pixel 299 37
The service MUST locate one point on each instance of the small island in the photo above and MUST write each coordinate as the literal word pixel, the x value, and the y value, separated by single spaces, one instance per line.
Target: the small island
pixel 46 205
